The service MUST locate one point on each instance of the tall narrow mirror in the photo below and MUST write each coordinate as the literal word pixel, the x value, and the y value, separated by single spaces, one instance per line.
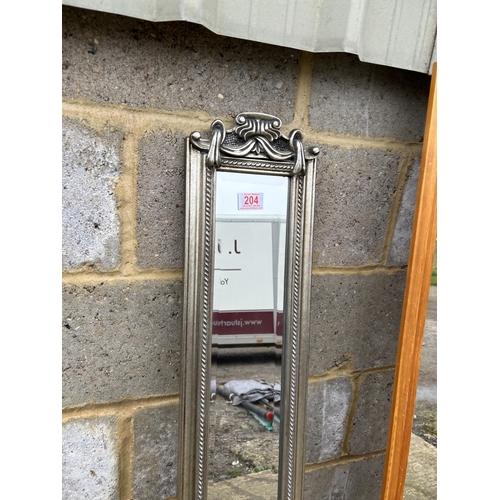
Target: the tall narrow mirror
pixel 247 271
pixel 248 294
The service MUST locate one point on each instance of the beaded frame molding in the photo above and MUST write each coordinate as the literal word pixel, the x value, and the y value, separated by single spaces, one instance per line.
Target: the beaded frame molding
pixel 254 145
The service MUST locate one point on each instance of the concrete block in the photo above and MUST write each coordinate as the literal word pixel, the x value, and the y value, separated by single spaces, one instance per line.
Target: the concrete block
pixel 327 409
pixel 113 59
pixel 349 97
pixel 160 201
pixel 359 480
pixel 354 194
pixel 154 468
pixel 371 419
pixel 90 460
pixel 120 341
pixel 355 319
pixel 400 246
pixel 90 168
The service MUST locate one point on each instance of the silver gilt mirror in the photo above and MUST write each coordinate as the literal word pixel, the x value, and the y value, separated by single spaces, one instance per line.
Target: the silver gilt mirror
pixel 247 279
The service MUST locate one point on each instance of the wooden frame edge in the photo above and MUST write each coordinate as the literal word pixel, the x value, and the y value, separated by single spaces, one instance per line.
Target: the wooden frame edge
pixel 416 296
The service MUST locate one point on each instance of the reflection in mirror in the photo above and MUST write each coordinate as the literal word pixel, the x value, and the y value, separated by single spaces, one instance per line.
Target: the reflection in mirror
pixel 248 281
pixel 244 186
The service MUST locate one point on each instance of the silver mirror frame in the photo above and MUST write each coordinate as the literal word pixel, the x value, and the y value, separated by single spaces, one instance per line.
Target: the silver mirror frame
pixel 254 145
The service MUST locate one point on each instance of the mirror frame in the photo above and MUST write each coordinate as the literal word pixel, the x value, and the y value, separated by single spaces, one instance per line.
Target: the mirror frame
pixel 254 145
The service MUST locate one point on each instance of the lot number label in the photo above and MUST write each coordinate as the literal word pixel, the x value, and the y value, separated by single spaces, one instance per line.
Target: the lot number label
pixel 250 201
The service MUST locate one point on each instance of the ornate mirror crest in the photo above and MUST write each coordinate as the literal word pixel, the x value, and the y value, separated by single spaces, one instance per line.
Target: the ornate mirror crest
pixel 255 145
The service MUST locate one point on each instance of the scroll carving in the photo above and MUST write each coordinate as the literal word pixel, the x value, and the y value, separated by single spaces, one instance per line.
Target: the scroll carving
pixel 256 136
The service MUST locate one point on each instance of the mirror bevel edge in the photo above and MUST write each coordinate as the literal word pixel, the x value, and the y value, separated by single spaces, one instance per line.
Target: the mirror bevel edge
pixel 192 474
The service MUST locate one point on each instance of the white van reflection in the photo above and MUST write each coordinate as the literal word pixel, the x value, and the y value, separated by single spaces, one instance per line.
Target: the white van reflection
pixel 248 280
pixel 249 259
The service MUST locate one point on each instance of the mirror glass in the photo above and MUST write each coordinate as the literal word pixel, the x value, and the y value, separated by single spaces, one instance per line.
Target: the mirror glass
pixel 248 282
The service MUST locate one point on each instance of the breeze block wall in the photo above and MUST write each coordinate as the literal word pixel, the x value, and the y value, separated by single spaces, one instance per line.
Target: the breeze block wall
pixel 132 91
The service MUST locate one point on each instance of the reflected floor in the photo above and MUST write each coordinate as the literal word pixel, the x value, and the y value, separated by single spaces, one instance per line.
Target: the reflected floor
pixel 244 454
pixel 259 486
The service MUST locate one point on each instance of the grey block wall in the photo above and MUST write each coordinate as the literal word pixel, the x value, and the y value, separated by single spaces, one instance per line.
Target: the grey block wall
pixel 120 341
pixel 90 169
pixel 90 459
pixel 367 100
pixel 155 452
pixel 132 91
pixel 160 200
pixel 354 191
pixel 359 479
